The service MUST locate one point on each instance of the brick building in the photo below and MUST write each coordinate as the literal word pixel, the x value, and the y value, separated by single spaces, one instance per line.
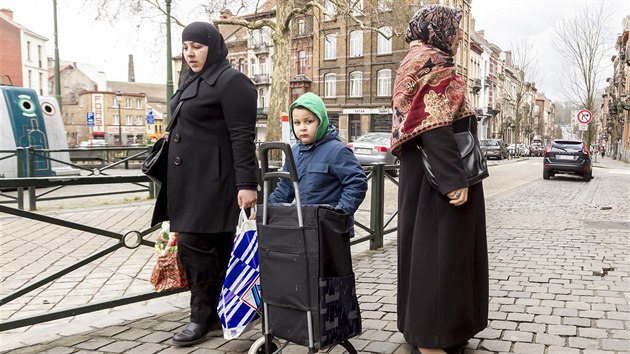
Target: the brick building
pixel 23 56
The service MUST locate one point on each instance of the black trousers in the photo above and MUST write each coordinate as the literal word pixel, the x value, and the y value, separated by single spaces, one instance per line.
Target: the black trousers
pixel 205 259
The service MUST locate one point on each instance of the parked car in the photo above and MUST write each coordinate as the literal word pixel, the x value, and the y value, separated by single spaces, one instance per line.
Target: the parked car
pixel 537 148
pixel 95 143
pixel 567 156
pixel 523 150
pixel 494 148
pixel 374 147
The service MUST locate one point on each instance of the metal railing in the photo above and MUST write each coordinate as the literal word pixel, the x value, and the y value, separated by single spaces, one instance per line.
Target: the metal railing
pixel 100 160
pixel 378 227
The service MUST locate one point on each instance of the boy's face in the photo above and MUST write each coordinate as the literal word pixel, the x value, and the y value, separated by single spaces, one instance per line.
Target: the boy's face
pixel 305 124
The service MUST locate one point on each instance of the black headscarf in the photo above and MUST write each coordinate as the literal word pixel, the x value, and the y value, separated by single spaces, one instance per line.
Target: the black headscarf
pixel 206 34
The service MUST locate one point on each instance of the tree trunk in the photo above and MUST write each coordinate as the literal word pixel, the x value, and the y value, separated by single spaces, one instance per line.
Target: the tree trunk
pixel 279 97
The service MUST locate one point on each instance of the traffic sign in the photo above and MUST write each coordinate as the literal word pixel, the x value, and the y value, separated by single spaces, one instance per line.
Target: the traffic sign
pixel 150 117
pixel 582 127
pixel 584 116
pixel 89 117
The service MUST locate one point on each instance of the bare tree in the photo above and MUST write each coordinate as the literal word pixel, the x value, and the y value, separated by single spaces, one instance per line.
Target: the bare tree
pixel 582 42
pixel 523 60
pixel 280 27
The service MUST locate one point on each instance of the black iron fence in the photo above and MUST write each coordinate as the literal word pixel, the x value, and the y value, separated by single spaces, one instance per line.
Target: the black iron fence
pixel 375 229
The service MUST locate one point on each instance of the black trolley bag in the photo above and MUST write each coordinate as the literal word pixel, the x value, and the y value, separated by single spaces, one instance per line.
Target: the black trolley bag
pixel 306 278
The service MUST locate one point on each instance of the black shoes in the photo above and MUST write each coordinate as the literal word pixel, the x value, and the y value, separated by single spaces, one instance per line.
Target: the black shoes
pixel 192 334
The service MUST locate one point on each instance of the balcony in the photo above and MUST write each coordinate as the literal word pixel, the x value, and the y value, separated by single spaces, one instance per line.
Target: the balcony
pixel 261 49
pixel 261 79
pixel 476 87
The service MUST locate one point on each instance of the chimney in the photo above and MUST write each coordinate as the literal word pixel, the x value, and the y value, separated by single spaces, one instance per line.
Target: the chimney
pixel 132 74
pixel 481 33
pixel 7 12
pixel 226 14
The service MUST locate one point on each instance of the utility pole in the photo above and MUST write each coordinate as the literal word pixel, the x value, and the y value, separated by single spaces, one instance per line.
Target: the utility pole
pixel 57 73
pixel 169 63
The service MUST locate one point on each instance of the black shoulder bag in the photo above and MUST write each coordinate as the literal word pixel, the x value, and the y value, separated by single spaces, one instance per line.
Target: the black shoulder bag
pixel 474 162
pixel 155 166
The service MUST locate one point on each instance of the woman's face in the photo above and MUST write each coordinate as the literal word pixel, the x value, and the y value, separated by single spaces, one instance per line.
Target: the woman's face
pixel 305 125
pixel 458 37
pixel 195 55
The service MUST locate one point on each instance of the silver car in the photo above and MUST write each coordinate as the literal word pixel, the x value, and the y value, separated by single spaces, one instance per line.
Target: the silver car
pixel 374 147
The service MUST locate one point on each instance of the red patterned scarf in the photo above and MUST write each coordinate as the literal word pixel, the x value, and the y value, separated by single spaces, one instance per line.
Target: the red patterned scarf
pixel 428 94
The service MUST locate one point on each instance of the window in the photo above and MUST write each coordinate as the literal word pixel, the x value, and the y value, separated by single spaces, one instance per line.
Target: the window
pixel 233 63
pixel 28 50
pixel 30 79
pixel 384 45
pixel 263 66
pixel 41 84
pixel 127 102
pixel 330 85
pixel 384 83
pixel 384 5
pixel 356 44
pixel 116 119
pixel 252 67
pixel 262 98
pixel 301 26
pixel 330 46
pixel 356 84
pixel 241 65
pixel 115 101
pixel 129 118
pixel 301 61
pixel 357 8
pixel 39 55
pixel 138 103
pixel 329 8
pixel 139 120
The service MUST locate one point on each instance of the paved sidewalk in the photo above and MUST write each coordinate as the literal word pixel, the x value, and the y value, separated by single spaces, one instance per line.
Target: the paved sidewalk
pixel 559 279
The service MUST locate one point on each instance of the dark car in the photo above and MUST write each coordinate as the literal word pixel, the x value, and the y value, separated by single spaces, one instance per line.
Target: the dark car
pixel 567 156
pixel 374 147
pixel 494 148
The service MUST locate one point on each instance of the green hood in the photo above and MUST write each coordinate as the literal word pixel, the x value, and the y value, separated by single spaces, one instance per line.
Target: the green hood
pixel 315 104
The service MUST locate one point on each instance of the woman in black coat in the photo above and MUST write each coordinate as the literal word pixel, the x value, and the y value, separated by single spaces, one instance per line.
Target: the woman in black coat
pixel 212 170
pixel 442 251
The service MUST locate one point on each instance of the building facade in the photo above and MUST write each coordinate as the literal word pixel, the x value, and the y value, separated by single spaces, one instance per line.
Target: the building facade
pixel 23 56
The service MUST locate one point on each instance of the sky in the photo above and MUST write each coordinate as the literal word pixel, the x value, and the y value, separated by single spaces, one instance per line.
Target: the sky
pixel 107 46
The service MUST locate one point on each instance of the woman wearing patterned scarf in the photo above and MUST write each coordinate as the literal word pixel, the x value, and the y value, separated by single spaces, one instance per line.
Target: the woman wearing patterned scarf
pixel 442 250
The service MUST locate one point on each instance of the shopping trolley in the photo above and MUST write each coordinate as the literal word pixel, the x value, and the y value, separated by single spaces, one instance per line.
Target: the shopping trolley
pixel 306 278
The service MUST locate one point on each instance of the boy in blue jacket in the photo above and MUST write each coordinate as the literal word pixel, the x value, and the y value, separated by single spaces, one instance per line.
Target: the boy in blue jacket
pixel 328 172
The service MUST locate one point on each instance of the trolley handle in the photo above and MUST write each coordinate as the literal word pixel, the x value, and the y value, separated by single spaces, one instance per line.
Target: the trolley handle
pixel 264 161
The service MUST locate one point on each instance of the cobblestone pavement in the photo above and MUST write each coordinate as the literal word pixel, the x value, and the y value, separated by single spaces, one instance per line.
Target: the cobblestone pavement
pixel 559 255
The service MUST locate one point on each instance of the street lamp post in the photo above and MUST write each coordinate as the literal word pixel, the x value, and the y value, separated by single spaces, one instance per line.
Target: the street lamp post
pixel 119 101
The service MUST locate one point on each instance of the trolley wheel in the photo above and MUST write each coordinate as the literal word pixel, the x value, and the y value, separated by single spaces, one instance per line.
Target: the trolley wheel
pixel 259 346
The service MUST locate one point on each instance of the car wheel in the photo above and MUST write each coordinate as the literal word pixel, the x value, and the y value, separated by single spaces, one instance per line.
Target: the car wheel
pixel 587 176
pixel 546 174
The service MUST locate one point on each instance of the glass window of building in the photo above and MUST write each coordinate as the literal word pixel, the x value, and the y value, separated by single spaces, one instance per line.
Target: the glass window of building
pixel 384 45
pixel 127 102
pixel 356 43
pixel 263 65
pixel 301 26
pixel 252 67
pixel 385 5
pixel 356 84
pixel 330 46
pixel 384 83
pixel 138 120
pixel 329 8
pixel 301 61
pixel 357 9
pixel 116 119
pixel 330 85
pixel 138 103
pixel 128 119
pixel 241 65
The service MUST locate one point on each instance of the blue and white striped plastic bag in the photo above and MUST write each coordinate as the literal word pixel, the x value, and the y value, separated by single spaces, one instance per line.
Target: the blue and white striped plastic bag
pixel 239 302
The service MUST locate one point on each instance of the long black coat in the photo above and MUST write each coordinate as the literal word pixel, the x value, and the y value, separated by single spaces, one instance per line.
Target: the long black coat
pixel 211 150
pixel 442 249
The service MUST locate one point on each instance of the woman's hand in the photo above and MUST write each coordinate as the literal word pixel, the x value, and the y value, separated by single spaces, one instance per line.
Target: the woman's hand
pixel 458 196
pixel 246 198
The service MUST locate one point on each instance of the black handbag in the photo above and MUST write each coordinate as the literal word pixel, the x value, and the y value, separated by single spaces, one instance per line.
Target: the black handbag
pixel 155 165
pixel 474 162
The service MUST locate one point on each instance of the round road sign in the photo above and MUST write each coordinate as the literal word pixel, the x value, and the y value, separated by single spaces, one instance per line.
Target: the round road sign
pixel 584 116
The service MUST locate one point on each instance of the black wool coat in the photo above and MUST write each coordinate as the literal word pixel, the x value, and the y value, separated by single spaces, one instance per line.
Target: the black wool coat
pixel 211 150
